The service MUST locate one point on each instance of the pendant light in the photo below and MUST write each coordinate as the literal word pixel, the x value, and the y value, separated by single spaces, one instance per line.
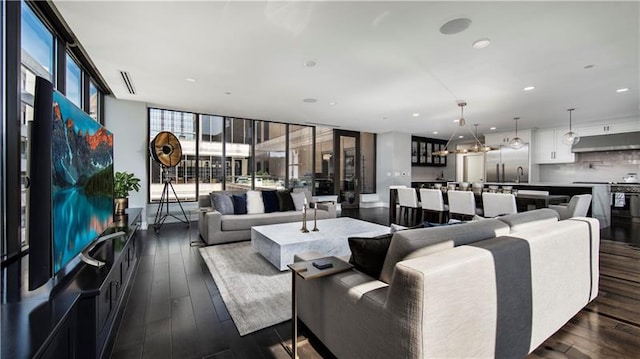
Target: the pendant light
pixel 570 138
pixel 516 142
pixel 477 147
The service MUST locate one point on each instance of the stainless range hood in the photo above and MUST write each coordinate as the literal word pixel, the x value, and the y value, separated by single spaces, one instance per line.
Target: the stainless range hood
pixel 614 142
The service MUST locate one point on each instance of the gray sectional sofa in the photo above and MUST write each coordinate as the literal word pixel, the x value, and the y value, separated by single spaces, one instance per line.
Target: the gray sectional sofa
pixel 216 228
pixel 483 289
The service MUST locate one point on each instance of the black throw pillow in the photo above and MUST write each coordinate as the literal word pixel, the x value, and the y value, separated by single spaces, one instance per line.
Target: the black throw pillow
pixel 270 199
pixel 239 203
pixel 368 254
pixel 285 201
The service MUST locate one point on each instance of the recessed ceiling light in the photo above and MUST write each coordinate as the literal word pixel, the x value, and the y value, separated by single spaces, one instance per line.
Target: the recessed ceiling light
pixel 332 103
pixel 589 66
pixel 435 132
pixel 415 114
pixel 492 128
pixel 189 79
pixel 455 26
pixel 227 93
pixel 309 63
pixel 481 44
pixel 529 88
pixel 622 90
pixel 310 100
pixel 461 136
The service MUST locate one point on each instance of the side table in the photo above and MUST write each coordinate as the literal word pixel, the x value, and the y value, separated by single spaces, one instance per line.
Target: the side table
pixel 307 271
pixel 198 242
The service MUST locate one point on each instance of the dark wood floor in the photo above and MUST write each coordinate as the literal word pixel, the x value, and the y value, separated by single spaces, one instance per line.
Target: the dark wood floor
pixel 175 310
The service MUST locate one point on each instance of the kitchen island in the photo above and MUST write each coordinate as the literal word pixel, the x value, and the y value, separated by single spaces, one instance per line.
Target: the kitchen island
pixel 600 203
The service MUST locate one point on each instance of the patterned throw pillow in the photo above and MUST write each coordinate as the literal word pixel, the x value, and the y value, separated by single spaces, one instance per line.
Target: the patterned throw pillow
pixel 255 205
pixel 222 203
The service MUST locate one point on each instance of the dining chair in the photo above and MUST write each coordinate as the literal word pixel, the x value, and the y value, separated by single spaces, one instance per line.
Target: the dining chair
pixel 578 206
pixel 462 205
pixel 408 200
pixel 394 206
pixel 497 204
pixel 432 202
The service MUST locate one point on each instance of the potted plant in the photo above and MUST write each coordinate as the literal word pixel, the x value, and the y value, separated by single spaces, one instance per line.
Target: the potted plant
pixel 123 183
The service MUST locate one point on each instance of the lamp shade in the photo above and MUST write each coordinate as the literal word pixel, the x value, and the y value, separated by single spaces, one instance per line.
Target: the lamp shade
pixel 165 149
pixel 516 143
pixel 570 138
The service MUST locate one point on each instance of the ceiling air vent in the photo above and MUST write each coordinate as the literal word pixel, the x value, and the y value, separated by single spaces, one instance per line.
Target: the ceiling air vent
pixel 126 78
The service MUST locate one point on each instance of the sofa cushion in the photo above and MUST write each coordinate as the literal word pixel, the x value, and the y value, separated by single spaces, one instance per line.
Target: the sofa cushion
pixel 270 199
pixel 367 254
pixel 525 220
pixel 255 205
pixel 222 202
pixel 239 203
pixel 417 242
pixel 298 200
pixel 237 223
pixel 285 202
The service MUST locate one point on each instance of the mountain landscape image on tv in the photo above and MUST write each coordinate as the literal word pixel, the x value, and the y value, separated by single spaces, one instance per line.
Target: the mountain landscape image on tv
pixel 82 180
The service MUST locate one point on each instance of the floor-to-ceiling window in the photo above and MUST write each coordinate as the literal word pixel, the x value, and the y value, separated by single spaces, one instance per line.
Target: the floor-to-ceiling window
pixel 73 83
pixel 94 101
pixel 37 58
pixel 238 140
pixel 210 163
pixel 324 161
pixel 271 155
pixel 183 176
pixel 300 156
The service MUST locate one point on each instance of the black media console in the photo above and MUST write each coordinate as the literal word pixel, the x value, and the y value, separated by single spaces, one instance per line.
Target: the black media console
pixel 77 317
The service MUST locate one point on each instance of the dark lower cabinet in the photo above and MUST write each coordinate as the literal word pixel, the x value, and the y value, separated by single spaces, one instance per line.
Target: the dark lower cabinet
pixel 78 320
pixel 63 343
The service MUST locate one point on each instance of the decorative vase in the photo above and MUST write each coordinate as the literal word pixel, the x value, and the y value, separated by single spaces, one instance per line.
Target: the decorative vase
pixel 120 205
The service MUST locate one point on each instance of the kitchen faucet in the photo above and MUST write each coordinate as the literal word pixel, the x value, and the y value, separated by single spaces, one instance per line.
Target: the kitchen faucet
pixel 519 172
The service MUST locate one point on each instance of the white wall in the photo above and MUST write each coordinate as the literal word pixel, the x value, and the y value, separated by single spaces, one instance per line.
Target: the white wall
pixel 128 122
pixel 393 162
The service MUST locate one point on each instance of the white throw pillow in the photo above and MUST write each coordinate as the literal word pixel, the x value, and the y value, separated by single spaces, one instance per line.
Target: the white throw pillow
pixel 298 200
pixel 254 202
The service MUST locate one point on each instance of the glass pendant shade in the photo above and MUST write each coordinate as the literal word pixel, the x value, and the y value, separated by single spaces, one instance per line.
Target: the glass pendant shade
pixel 516 143
pixel 570 138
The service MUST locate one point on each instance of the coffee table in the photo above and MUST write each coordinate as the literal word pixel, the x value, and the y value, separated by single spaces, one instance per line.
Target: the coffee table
pixel 278 243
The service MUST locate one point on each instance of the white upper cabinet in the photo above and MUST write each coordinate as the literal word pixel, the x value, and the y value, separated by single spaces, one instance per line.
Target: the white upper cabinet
pixel 549 148
pixel 609 127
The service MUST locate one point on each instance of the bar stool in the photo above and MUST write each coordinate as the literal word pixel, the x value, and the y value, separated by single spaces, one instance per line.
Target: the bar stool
pixel 408 200
pixel 498 204
pixel 462 205
pixel 432 202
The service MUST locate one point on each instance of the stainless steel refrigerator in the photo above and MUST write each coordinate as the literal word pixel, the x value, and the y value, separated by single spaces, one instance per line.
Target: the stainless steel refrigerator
pixel 507 165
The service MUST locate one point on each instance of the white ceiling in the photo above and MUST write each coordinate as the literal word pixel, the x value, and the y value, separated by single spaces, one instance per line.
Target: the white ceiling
pixel 380 62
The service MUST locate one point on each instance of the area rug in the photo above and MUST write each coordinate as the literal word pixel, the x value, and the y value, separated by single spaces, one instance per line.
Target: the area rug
pixel 256 293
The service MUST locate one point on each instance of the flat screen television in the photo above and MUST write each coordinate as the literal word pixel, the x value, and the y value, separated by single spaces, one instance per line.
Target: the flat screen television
pixel 71 183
